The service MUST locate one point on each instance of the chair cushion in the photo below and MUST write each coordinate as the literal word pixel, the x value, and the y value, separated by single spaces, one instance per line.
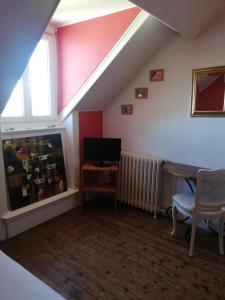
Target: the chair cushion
pixel 186 201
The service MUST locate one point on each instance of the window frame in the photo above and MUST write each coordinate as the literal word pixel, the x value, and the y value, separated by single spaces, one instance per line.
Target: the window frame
pixel 27 117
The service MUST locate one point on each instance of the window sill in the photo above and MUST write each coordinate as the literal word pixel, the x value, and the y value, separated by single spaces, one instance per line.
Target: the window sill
pixel 5 133
pixel 21 212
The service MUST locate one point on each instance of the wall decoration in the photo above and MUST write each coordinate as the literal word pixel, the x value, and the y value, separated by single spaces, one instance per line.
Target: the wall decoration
pixel 157 75
pixel 34 168
pixel 127 109
pixel 208 92
pixel 141 93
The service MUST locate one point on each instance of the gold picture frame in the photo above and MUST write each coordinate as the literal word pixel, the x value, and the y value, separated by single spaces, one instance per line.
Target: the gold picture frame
pixel 208 90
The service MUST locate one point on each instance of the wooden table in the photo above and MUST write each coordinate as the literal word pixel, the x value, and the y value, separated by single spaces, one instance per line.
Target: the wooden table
pixel 99 179
pixel 186 172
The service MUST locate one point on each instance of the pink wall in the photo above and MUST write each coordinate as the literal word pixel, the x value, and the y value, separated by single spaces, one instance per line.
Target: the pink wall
pixel 90 125
pixel 82 47
pixel 212 98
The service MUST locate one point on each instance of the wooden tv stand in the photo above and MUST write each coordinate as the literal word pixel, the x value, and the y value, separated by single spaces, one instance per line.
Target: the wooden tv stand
pixel 99 179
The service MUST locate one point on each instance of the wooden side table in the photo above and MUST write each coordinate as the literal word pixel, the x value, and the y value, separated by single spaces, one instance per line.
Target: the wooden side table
pixel 99 179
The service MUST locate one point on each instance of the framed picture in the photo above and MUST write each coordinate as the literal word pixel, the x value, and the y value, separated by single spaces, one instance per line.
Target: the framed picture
pixel 35 168
pixel 127 109
pixel 141 93
pixel 157 75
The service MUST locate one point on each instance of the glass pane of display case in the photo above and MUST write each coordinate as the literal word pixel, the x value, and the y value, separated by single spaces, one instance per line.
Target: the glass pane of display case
pixel 35 168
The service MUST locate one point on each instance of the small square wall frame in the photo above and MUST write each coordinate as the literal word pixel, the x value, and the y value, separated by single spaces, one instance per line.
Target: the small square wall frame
pixel 156 75
pixel 127 109
pixel 141 93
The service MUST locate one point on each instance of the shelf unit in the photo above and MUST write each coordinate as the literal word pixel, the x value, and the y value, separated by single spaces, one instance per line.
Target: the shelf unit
pixel 99 179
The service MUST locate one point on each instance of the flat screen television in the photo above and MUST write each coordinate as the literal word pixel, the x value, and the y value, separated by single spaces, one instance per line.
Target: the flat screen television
pixel 102 150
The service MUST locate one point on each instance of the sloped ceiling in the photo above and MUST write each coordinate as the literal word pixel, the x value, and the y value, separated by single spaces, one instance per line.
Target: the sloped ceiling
pixel 21 26
pixel 145 42
pixel 190 18
pixel 73 11
pixel 85 49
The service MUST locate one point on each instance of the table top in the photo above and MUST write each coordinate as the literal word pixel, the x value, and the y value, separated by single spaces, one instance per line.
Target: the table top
pixel 181 170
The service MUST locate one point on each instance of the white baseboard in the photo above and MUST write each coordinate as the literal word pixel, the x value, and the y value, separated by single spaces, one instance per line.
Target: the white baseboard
pixel 30 216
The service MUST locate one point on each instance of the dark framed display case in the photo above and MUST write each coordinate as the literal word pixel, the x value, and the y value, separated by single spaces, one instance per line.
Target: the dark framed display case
pixel 34 167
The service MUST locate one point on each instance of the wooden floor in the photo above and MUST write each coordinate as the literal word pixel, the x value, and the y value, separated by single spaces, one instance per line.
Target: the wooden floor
pixel 95 255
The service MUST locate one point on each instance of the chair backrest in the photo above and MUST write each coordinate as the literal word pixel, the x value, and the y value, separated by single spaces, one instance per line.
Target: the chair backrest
pixel 210 188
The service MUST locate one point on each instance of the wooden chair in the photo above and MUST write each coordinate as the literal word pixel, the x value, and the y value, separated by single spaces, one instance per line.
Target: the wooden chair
pixel 208 203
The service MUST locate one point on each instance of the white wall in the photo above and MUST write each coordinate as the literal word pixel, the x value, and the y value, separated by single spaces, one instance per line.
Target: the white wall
pixel 72 154
pixel 161 125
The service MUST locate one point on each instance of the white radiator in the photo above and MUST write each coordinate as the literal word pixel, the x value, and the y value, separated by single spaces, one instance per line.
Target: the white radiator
pixel 140 181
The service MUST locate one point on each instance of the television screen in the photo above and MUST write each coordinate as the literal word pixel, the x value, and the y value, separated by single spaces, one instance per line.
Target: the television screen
pixel 102 149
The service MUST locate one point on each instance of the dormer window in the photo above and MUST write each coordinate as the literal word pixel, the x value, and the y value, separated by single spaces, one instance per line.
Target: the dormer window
pixel 34 96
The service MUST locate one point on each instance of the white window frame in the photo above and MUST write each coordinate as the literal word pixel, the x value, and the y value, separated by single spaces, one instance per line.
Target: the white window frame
pixel 53 89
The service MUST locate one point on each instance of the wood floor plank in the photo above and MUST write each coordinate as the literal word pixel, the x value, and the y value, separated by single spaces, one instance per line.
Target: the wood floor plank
pixel 156 263
pixel 64 264
pixel 96 255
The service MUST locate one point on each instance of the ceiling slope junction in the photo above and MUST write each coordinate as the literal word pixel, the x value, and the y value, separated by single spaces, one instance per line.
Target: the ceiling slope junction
pixel 190 18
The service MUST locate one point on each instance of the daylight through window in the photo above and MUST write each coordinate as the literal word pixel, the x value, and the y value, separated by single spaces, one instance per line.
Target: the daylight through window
pixel 32 98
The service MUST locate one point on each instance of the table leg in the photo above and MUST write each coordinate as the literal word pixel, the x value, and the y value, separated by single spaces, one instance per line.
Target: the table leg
pixel 189 184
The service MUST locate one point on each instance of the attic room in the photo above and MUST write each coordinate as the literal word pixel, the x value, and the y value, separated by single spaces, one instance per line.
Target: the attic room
pixel 112 164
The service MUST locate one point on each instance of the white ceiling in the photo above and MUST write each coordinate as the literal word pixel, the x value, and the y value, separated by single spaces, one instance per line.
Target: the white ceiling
pixel 73 11
pixel 191 18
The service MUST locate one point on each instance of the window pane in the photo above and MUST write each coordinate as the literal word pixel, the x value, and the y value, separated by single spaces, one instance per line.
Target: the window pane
pixel 39 78
pixel 15 104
